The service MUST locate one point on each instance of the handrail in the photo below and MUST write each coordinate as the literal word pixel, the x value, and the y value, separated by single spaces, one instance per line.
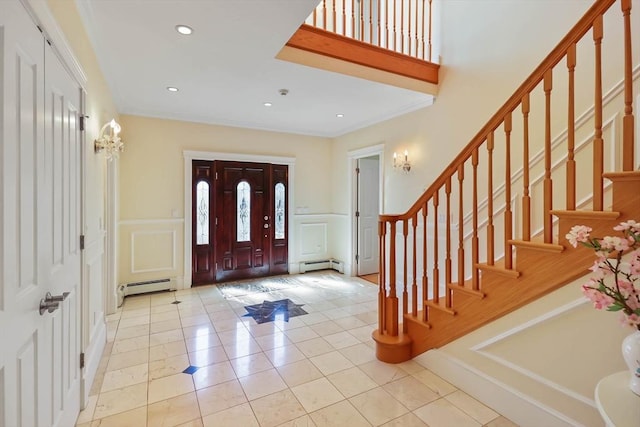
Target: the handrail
pixel 551 60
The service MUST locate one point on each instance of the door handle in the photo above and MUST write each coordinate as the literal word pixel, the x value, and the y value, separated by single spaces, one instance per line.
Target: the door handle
pixel 49 306
pixel 56 298
pixel 51 303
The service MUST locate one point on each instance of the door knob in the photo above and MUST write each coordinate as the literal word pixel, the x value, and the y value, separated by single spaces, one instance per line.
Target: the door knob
pixel 49 306
pixel 56 298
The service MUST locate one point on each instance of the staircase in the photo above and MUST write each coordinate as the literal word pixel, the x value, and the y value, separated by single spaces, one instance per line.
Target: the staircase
pixel 487 237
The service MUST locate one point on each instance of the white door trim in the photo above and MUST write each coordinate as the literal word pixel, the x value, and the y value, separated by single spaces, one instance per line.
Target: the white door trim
pixel 189 156
pixel 352 230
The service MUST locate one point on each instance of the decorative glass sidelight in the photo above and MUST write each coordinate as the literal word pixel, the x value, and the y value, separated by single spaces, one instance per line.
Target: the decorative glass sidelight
pixel 279 204
pixel 202 220
pixel 244 212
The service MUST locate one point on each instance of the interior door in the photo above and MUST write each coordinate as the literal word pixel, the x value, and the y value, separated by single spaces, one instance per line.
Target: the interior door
pixel 250 220
pixel 367 215
pixel 202 244
pixel 40 216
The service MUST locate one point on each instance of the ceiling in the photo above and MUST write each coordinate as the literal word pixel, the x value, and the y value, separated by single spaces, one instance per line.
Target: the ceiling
pixel 226 70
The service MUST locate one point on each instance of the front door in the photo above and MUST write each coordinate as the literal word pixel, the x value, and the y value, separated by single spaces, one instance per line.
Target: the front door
pixel 40 219
pixel 239 215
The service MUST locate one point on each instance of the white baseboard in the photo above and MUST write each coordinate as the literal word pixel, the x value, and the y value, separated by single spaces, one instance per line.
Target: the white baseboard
pixel 92 357
pixel 513 404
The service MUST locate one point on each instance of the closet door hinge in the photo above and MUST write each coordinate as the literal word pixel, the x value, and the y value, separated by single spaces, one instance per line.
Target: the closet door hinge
pixel 83 121
pixel 81 360
pixel 82 242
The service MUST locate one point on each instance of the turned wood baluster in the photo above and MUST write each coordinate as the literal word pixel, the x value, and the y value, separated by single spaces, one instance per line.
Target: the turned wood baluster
pixel 386 24
pixel 508 215
pixel 571 131
pixel 409 33
pixel 333 22
pixel 414 283
pixel 475 285
pixel 353 19
pixel 548 184
pixel 392 301
pixel 430 24
pixel 402 33
pixel 382 286
pixel 526 199
pixel 324 14
pixel 425 279
pixel 361 23
pixel 490 231
pixel 627 120
pixel 415 33
pixel 371 21
pixel 344 17
pixel 447 262
pixel 405 278
pixel 394 25
pixel 598 143
pixel 379 27
pixel 460 226
pixel 436 271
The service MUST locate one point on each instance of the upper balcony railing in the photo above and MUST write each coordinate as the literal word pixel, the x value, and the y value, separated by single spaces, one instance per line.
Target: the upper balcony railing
pixel 403 26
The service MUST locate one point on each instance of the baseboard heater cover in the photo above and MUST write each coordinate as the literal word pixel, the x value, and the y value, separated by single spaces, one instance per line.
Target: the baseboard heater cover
pixel 135 288
pixel 333 264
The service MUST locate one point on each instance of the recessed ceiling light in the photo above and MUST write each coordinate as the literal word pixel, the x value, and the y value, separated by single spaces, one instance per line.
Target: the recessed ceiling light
pixel 267 104
pixel 339 115
pixel 172 89
pixel 184 29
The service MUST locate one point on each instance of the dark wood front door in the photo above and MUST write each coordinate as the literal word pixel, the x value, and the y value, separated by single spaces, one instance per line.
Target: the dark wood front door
pixel 248 220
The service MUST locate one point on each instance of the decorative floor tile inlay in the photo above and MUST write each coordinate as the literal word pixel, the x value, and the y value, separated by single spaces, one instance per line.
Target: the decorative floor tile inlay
pixel 191 370
pixel 268 311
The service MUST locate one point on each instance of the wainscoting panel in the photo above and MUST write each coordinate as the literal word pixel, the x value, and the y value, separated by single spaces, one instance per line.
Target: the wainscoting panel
pixel 150 249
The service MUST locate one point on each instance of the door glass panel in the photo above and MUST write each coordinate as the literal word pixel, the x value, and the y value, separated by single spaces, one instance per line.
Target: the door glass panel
pixel 244 212
pixel 202 223
pixel 279 210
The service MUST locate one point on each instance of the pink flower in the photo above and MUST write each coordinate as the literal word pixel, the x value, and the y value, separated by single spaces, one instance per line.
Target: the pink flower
pixel 614 243
pixel 578 234
pixel 632 320
pixel 628 225
pixel 634 266
pixel 599 299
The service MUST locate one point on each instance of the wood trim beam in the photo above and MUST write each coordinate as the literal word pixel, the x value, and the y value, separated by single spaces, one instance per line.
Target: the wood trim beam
pixel 318 41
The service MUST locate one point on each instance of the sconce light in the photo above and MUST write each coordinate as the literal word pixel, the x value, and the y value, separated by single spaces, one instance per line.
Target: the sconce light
pixel 109 140
pixel 404 165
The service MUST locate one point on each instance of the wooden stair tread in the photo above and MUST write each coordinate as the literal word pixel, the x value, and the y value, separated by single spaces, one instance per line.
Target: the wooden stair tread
pixel 467 288
pixel 498 267
pixel 536 245
pixel 440 306
pixel 599 215
pixel 623 176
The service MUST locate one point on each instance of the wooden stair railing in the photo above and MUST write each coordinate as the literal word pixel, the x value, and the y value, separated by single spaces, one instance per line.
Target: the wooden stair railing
pixel 468 264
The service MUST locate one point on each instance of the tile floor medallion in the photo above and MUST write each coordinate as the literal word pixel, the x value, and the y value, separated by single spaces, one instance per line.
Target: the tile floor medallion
pixel 196 358
pixel 268 311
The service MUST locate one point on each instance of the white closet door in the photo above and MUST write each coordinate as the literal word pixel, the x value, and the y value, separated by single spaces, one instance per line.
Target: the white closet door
pixel 39 372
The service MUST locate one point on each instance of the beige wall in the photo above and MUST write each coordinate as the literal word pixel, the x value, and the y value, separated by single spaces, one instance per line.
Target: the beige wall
pixel 152 187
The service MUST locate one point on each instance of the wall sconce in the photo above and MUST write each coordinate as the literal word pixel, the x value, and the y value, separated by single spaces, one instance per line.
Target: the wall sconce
pixel 109 140
pixel 404 165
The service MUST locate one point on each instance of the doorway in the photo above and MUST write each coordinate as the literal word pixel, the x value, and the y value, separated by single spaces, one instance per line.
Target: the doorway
pixel 366 205
pixel 239 220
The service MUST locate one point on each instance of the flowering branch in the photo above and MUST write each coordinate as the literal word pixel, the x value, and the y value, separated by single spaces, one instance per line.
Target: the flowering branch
pixel 621 292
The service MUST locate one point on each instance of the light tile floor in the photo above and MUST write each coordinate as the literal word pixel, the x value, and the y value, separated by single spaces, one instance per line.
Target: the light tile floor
pixel 317 369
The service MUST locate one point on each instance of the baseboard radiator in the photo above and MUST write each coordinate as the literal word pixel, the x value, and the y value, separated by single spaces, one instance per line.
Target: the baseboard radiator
pixel 333 264
pixel 135 288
